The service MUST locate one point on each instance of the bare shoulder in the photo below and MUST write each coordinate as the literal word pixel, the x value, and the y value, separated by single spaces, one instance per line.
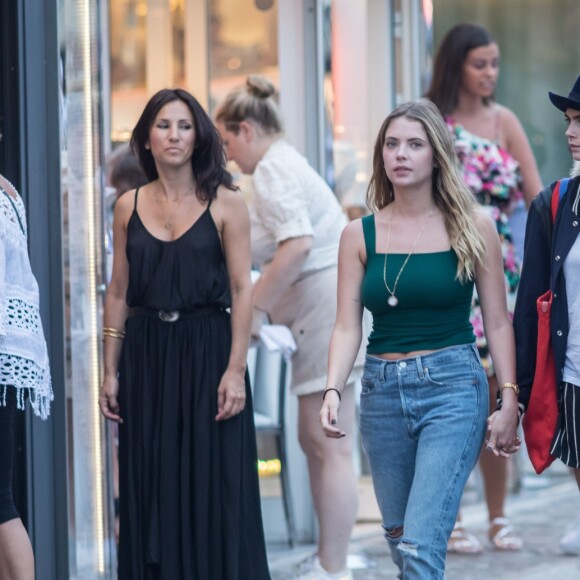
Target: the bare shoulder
pixel 229 197
pixel 353 232
pixel 229 205
pixel 124 206
pixel 228 201
pixel 8 187
pixel 509 120
pixel 352 240
pixel 484 224
pixel 126 201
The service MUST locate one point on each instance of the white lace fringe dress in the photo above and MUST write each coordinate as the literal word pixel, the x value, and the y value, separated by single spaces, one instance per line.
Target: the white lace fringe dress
pixel 24 362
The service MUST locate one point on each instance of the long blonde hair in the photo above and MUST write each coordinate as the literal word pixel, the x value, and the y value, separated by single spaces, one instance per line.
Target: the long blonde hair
pixel 450 193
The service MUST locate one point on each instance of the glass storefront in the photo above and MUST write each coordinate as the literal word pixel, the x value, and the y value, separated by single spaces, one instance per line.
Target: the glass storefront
pixel 152 47
pixel 343 48
pixel 208 47
pixel 341 66
pixel 91 553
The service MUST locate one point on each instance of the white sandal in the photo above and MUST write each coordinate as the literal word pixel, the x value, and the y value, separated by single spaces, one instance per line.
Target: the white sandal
pixel 462 542
pixel 504 539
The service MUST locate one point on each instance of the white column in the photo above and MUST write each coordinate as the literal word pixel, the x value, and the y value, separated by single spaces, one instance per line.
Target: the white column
pixel 291 59
pixel 196 50
pixel 349 70
pixel 159 46
pixel 291 62
pixel 410 64
pixel 381 89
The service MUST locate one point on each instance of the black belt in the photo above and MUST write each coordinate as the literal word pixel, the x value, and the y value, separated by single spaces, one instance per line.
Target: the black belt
pixel 175 315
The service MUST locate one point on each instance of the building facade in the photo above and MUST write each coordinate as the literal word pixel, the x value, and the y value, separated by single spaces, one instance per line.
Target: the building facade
pixel 75 75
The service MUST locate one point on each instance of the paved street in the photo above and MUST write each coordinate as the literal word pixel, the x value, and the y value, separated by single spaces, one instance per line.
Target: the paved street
pixel 540 515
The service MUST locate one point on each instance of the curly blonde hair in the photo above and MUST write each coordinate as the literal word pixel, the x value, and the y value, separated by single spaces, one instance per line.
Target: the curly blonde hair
pixel 450 193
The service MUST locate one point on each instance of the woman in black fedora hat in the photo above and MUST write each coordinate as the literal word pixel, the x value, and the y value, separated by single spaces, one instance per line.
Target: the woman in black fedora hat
pixel 552 262
pixel 499 167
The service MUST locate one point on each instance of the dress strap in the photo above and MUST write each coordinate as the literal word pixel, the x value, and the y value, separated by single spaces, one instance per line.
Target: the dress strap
pixel 369 231
pixel 136 194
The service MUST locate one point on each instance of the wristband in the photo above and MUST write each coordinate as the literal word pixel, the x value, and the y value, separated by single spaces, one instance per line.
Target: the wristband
pixel 332 389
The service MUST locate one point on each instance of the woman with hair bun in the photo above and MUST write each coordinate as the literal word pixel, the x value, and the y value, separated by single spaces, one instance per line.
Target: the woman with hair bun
pixel 296 225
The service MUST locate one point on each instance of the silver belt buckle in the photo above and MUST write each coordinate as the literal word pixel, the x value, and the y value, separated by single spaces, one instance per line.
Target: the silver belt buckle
pixel 169 315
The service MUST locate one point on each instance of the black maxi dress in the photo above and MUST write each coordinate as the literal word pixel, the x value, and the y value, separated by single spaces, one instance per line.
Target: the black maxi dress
pixel 189 496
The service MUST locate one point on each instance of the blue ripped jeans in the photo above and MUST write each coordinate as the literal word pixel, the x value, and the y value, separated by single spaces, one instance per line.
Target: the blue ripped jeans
pixel 423 420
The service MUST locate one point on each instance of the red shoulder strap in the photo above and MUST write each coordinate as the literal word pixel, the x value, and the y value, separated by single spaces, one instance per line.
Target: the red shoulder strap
pixel 555 200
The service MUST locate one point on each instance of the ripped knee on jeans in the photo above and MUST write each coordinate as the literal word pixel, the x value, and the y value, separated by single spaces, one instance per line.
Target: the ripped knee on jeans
pixel 393 533
pixel 409 547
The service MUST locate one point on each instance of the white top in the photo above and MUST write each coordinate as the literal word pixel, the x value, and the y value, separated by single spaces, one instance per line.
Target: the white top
pixel 23 354
pixel 291 200
pixel 572 276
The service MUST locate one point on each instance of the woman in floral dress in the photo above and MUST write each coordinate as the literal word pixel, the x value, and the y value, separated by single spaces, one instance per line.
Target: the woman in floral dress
pixel 494 177
pixel 499 167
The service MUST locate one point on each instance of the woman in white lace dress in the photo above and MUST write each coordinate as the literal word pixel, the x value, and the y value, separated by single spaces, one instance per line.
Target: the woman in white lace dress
pixel 24 371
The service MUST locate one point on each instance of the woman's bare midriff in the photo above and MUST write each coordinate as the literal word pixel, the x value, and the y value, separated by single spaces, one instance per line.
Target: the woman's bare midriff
pixel 399 355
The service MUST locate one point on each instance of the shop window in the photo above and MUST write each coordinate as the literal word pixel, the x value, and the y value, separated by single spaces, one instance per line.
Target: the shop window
pixel 207 47
pixel 243 39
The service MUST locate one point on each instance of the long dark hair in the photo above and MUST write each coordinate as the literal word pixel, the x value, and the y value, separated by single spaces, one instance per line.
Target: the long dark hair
pixel 208 159
pixel 448 67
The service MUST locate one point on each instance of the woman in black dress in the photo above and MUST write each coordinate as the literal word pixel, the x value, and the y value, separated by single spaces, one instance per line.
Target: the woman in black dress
pixel 175 358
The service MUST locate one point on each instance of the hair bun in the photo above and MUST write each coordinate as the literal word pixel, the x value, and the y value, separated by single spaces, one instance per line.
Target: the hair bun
pixel 260 87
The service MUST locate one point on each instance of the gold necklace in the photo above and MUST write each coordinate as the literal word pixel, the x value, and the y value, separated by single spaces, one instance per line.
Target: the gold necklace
pixel 168 225
pixel 392 299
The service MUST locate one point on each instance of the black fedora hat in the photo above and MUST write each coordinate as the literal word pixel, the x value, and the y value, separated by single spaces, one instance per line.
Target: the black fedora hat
pixel 570 102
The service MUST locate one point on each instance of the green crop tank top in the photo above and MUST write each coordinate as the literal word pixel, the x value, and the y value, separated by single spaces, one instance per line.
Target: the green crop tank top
pixel 433 309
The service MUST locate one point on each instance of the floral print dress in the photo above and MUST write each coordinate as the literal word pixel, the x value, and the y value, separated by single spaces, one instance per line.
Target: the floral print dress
pixel 493 176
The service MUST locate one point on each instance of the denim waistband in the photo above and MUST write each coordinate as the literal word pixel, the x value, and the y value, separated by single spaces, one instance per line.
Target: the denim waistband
pixel 175 315
pixel 443 356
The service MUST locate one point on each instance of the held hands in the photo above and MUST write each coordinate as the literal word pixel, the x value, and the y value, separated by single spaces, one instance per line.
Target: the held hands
pixel 501 438
pixel 108 399
pixel 231 395
pixel 329 414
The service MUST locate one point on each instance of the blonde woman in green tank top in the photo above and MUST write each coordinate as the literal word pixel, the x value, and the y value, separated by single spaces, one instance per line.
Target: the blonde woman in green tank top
pixel 424 398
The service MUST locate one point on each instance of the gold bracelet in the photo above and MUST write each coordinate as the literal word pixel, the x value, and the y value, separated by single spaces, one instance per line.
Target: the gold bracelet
pixel 513 386
pixel 113 333
pixel 110 329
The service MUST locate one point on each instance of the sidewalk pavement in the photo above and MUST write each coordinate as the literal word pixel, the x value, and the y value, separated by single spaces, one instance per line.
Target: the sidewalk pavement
pixel 540 515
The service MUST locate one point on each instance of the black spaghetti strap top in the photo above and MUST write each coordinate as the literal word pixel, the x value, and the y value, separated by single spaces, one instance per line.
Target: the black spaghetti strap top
pixel 184 274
